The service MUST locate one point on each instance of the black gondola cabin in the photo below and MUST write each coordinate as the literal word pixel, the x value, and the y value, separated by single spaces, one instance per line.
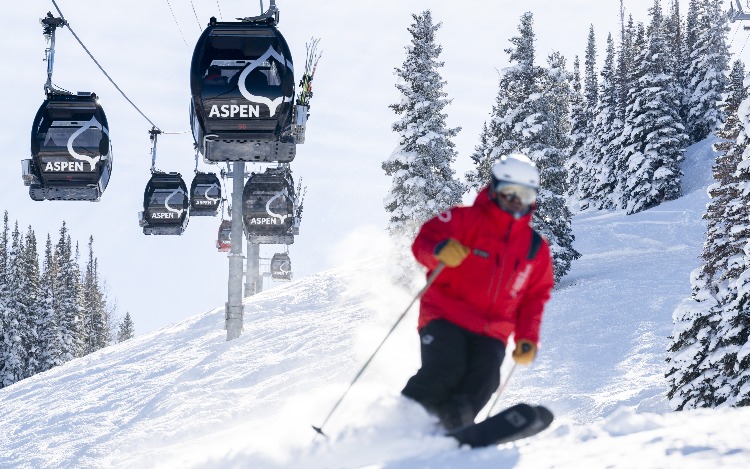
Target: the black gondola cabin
pixel 242 86
pixel 205 195
pixel 281 267
pixel 71 157
pixel 268 207
pixel 165 205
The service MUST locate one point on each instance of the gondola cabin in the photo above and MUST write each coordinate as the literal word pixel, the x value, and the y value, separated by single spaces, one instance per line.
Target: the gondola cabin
pixel 242 85
pixel 71 155
pixel 224 240
pixel 281 267
pixel 165 205
pixel 205 195
pixel 268 207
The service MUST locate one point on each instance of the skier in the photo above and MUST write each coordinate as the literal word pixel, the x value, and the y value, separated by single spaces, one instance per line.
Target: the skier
pixel 497 278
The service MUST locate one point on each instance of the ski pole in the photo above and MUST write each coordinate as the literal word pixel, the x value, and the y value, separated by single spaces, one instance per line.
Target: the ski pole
pixel 431 279
pixel 500 391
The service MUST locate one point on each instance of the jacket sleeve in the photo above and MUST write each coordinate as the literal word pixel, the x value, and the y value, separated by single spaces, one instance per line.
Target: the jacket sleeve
pixel 531 307
pixel 433 232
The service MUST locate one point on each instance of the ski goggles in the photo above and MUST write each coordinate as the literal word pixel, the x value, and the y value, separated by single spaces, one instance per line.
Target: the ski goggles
pixel 510 191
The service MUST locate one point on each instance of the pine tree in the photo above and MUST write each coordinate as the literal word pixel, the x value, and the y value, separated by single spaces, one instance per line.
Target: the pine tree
pixel 723 212
pixel 50 338
pixel 423 182
pixel 708 358
pixel 588 177
pixel 96 316
pixel 4 340
pixel 67 298
pixel 482 158
pixel 531 116
pixel 729 355
pixel 512 107
pixel 654 138
pixel 29 301
pixel 515 114
pixel 552 216
pixel 16 334
pixel 708 62
pixel 126 330
pixel 676 63
pixel 608 129
pixel 578 134
pixel 695 320
pixel 590 81
pixel 626 62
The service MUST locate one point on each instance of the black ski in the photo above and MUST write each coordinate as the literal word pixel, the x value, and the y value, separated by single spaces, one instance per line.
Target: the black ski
pixel 514 423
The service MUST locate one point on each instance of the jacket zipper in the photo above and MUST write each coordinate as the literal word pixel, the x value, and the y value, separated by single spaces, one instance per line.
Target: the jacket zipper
pixel 500 264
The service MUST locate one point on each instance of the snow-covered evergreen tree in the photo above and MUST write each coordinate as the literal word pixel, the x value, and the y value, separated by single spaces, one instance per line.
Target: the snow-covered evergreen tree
pixel 578 134
pixel 626 63
pixel 515 115
pixel 689 44
pixel 607 129
pixel 531 116
pixel 96 316
pixel 126 329
pixel 423 182
pixel 29 301
pixel 654 138
pixel 730 356
pixel 708 62
pixel 552 216
pixel 724 211
pixel 16 333
pixel 67 298
pixel 674 36
pixel 511 107
pixel 50 339
pixel 4 245
pixel 591 86
pixel 709 359
pixel 482 158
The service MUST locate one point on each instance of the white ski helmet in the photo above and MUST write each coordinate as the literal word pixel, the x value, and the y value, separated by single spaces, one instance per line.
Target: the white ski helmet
pixel 515 168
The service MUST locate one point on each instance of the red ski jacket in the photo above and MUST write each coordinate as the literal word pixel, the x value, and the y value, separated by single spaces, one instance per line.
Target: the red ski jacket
pixel 496 290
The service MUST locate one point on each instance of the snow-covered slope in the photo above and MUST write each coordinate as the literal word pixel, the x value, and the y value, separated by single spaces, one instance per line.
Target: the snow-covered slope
pixel 184 397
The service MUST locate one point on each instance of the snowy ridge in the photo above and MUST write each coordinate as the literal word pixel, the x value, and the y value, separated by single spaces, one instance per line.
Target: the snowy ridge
pixel 184 397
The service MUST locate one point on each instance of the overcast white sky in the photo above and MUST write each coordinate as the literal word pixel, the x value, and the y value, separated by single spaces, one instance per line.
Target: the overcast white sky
pixel 159 279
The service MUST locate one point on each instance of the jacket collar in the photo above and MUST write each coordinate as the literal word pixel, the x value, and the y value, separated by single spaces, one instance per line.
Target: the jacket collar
pixel 502 219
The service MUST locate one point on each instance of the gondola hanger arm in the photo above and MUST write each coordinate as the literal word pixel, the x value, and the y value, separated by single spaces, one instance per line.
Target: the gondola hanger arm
pixel 270 16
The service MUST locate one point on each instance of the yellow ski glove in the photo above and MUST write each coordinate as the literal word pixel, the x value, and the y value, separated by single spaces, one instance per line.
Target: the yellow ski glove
pixel 451 252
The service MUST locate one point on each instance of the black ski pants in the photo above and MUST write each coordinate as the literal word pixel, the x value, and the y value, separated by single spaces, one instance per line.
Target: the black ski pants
pixel 460 371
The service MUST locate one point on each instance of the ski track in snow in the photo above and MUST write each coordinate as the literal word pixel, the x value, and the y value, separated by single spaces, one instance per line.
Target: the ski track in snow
pixel 184 397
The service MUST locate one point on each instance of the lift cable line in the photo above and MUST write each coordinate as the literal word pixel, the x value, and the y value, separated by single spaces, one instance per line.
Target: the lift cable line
pixel 744 44
pixel 736 29
pixel 200 28
pixel 65 22
pixel 177 23
pixel 221 17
